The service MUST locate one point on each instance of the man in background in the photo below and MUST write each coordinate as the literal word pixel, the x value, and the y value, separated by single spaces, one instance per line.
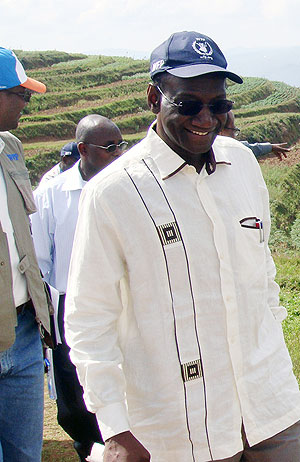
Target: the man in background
pixel 99 143
pixel 69 156
pixel 258 149
pixel 24 306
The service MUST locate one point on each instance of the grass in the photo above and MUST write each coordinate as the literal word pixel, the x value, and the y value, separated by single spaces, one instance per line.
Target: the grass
pixel 288 277
pixel 57 445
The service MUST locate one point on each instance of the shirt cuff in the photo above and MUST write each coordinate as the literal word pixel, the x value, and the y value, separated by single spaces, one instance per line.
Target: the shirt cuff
pixel 112 420
pixel 279 313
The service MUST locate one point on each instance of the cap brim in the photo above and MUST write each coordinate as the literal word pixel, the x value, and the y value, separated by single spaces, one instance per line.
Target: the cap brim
pixel 34 85
pixel 201 69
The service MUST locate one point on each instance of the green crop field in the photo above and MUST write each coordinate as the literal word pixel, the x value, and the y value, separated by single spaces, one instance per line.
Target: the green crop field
pixel 115 87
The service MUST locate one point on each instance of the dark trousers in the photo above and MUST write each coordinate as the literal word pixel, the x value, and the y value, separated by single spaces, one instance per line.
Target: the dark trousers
pixel 72 414
pixel 282 447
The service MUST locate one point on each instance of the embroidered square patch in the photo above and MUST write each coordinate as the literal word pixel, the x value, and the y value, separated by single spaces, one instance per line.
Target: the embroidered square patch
pixel 169 233
pixel 191 370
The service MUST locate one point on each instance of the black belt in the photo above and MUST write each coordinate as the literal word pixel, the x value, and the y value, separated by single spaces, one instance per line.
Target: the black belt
pixel 25 306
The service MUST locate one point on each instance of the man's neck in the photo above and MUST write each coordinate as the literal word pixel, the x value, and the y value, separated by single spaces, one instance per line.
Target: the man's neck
pixel 85 173
pixel 207 159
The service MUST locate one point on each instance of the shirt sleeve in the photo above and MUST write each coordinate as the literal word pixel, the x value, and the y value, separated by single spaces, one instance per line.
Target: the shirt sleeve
pixel 42 223
pixel 258 149
pixel 93 308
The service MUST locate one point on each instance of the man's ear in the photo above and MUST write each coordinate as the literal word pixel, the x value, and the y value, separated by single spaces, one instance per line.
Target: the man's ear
pixel 153 98
pixel 82 148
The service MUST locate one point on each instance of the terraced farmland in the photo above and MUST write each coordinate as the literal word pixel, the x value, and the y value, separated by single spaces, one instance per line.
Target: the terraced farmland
pixel 116 87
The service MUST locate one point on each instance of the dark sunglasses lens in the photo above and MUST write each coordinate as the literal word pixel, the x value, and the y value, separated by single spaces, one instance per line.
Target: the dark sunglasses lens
pixel 123 145
pixel 111 148
pixel 221 107
pixel 190 107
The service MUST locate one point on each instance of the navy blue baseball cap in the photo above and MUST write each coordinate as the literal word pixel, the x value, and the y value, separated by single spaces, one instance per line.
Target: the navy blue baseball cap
pixel 189 54
pixel 70 149
pixel 12 73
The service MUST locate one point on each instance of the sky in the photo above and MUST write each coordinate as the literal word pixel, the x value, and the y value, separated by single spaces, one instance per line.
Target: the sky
pixel 93 26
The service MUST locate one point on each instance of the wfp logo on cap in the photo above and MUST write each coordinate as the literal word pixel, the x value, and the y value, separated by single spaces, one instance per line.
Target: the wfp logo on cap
pixel 157 65
pixel 203 48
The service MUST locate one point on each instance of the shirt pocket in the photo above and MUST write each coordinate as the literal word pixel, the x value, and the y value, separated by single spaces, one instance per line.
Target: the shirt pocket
pixel 250 250
pixel 253 224
pixel 21 180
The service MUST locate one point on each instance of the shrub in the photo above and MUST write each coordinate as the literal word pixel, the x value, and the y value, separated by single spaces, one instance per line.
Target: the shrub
pixel 286 205
pixel 47 130
pixel 295 233
pixel 40 164
pixel 68 99
pixel 274 128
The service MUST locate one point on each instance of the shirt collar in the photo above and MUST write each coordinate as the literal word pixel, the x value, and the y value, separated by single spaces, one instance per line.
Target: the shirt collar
pixel 169 163
pixel 221 149
pixel 73 179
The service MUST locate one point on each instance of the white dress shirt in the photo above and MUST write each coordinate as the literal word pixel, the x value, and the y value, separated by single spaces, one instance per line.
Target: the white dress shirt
pixel 53 225
pixel 172 311
pixel 20 291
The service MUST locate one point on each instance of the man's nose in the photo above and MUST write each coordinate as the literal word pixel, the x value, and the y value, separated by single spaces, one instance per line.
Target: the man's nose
pixel 204 118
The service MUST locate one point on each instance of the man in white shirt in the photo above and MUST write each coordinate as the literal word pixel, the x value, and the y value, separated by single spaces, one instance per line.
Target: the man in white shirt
pixel 172 311
pixel 24 305
pixel 99 142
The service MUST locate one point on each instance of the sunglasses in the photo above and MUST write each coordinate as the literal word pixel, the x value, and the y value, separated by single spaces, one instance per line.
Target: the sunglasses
pixel 190 108
pixel 111 147
pixel 26 95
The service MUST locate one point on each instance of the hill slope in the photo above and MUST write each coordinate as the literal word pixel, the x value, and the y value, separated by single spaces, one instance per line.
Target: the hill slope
pixel 115 87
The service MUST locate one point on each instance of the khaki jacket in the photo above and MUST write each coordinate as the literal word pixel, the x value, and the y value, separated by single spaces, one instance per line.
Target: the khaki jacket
pixel 20 205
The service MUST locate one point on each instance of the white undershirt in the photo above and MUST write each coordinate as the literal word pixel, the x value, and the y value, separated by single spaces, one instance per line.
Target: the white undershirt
pixel 20 292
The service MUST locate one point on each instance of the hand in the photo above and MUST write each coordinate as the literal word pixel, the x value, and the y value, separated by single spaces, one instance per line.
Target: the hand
pixel 279 150
pixel 124 447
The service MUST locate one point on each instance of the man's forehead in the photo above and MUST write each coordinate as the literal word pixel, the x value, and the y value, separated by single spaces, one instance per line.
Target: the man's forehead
pixel 106 133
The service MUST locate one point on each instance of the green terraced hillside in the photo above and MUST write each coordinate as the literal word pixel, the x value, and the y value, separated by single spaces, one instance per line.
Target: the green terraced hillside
pixel 115 87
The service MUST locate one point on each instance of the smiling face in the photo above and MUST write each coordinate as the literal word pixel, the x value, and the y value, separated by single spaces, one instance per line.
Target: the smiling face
pixel 188 136
pixel 11 107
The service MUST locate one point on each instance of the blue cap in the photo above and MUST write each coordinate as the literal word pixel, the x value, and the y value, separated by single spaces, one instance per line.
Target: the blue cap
pixel 70 149
pixel 12 73
pixel 189 54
